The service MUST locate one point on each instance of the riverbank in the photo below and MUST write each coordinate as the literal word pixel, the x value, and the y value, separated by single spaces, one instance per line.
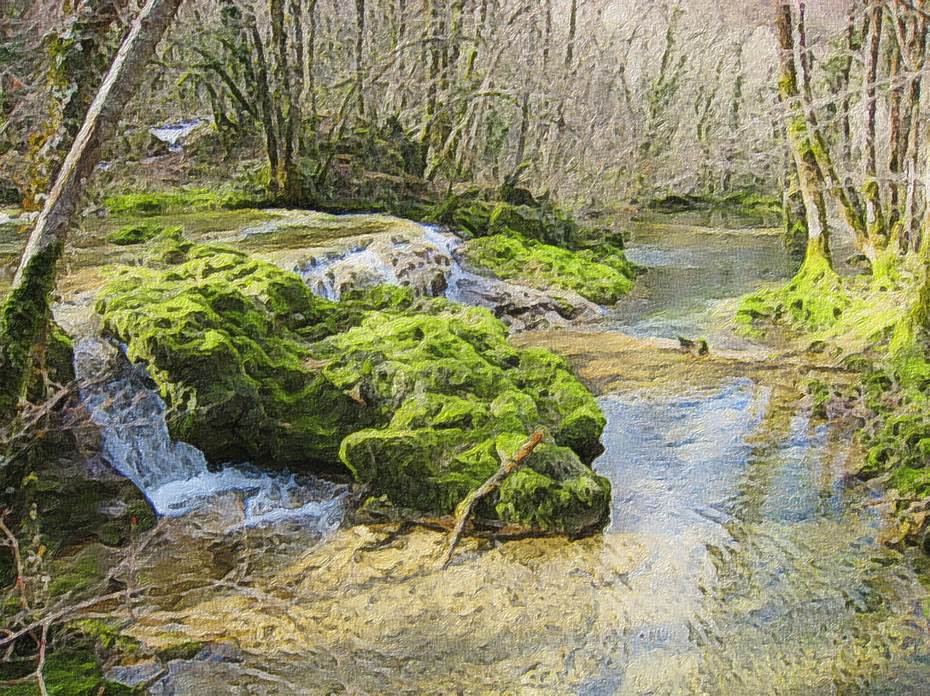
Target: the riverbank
pixel 874 325
pixel 733 524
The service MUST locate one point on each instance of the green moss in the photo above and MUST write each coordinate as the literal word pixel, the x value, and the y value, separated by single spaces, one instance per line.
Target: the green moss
pixel 536 500
pixel 186 650
pixel 412 397
pixel 70 672
pixel 754 206
pixel 136 233
pixel 106 635
pixel 179 200
pixel 448 386
pixel 223 336
pixel 481 218
pixel 602 274
pixel 820 395
pixel 23 319
pixel 813 299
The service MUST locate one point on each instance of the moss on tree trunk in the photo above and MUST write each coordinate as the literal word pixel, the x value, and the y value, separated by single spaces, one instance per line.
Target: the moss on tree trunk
pixel 24 319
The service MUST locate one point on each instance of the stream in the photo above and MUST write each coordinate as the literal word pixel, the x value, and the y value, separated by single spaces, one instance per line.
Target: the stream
pixel 741 558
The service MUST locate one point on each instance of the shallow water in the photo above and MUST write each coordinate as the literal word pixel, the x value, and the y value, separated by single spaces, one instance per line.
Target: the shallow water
pixel 740 558
pixel 691 271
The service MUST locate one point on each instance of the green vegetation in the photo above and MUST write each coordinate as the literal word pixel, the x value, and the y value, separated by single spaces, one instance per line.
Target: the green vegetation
pixel 417 399
pixel 480 218
pixel 69 672
pixel 813 299
pixel 24 317
pixel 135 233
pixel 179 200
pixel 762 208
pixel 601 274
pixel 223 336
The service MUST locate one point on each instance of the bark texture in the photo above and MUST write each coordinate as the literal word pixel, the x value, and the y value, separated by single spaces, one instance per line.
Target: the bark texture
pixel 25 312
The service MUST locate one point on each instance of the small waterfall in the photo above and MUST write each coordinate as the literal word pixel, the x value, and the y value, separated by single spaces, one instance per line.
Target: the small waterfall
pixel 429 264
pixel 173 134
pixel 359 266
pixel 174 475
pixel 460 283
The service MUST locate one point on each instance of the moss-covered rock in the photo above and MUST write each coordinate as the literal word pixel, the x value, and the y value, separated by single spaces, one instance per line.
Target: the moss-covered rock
pixel 454 398
pixel 754 207
pixel 135 233
pixel 179 200
pixel 479 217
pixel 815 298
pixel 223 337
pixel 418 399
pixel 601 274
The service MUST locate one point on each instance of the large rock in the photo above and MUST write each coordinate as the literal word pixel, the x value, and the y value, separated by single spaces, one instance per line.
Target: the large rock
pixel 222 335
pixel 430 263
pixel 417 398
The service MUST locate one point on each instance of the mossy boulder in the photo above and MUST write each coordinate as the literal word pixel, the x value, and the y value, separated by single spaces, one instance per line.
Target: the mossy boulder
pixel 142 203
pixel 454 398
pixel 481 218
pixel 223 336
pixel 418 399
pixel 813 299
pixel 601 274
pixel 135 233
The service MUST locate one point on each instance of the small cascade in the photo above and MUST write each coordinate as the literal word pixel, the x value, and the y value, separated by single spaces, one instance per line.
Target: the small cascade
pixel 358 266
pixel 430 265
pixel 174 134
pixel 461 285
pixel 174 476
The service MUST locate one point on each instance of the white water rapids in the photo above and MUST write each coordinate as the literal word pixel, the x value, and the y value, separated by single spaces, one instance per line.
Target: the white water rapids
pixel 174 476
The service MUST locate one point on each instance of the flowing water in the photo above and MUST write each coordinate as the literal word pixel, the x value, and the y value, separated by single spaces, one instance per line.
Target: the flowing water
pixel 741 559
pixel 174 476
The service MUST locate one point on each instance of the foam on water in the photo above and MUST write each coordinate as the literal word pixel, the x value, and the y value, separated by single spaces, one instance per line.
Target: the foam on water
pixel 174 476
pixel 320 274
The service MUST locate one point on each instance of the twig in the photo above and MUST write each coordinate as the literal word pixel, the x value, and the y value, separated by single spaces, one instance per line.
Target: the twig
pixel 40 677
pixel 13 543
pixel 492 484
pixel 67 612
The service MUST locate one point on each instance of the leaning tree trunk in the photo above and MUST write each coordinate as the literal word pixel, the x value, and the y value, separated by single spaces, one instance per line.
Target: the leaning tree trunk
pixel 847 200
pixel 26 310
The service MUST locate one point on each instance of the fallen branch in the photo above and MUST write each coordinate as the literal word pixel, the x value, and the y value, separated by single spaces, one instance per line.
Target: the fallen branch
pixel 492 484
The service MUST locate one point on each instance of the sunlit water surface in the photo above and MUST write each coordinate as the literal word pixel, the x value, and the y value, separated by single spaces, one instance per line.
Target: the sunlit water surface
pixel 740 559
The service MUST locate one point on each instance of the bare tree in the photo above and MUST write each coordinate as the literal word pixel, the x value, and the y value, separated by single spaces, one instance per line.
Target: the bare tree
pixel 25 312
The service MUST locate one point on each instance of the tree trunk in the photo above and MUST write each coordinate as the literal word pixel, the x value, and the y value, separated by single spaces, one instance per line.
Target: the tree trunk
pixel 432 86
pixel 263 86
pixel 78 56
pixel 845 196
pixel 293 192
pixel 26 310
pixel 288 174
pixel 897 131
pixel 874 221
pixel 810 177
pixel 845 72
pixel 572 30
pixel 359 54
